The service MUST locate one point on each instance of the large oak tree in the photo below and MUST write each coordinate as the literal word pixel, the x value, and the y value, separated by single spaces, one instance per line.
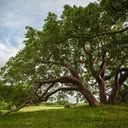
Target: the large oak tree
pixel 84 50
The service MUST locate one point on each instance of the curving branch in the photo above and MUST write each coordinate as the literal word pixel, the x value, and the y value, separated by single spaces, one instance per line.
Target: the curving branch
pixel 101 81
pixel 45 92
pixel 45 98
pixel 82 88
pixel 72 70
pixel 35 89
pixel 123 76
pixel 62 79
pixel 101 34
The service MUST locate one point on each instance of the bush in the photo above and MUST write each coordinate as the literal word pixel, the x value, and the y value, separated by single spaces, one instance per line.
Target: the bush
pixel 3 105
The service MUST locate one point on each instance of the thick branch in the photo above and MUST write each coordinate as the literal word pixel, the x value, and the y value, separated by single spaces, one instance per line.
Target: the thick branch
pixel 101 34
pixel 119 80
pixel 63 79
pixel 100 79
pixel 35 89
pixel 45 92
pixel 45 98
pixel 124 76
pixel 82 88
pixel 72 70
pixel 123 72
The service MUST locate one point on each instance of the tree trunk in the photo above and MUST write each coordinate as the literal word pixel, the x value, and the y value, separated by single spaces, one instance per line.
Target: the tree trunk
pixel 102 90
pixel 118 83
pixel 114 93
pixel 89 97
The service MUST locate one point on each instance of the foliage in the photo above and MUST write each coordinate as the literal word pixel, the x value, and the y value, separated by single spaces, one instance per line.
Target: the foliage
pixel 118 9
pixel 12 95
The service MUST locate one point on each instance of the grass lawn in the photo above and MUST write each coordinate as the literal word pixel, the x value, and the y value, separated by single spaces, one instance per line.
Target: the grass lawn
pixel 40 107
pixel 79 117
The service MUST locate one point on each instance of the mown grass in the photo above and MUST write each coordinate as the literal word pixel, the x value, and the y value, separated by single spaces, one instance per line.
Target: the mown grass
pixel 79 117
pixel 41 107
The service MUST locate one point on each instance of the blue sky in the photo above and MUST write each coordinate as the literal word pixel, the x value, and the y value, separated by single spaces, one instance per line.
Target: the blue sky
pixel 16 14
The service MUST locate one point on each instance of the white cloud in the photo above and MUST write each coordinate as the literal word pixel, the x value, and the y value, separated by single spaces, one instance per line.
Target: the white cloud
pixel 7 51
pixel 13 20
pixel 16 14
pixel 19 13
pixel 75 2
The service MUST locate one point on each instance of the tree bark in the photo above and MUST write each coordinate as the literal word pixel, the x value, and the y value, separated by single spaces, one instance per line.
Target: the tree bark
pixel 118 84
pixel 89 97
pixel 102 90
pixel 100 79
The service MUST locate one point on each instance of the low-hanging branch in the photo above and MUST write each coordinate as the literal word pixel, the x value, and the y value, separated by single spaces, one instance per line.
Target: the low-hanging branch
pixel 45 98
pixel 17 109
pixel 62 79
pixel 49 87
pixel 77 83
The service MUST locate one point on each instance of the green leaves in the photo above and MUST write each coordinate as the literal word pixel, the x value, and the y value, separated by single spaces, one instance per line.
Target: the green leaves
pixel 117 9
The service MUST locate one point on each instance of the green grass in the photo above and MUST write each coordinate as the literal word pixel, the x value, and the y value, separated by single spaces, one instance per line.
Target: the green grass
pixel 79 117
pixel 39 107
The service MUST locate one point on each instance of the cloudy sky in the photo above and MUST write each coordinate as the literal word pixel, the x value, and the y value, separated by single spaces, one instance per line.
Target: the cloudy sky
pixel 16 14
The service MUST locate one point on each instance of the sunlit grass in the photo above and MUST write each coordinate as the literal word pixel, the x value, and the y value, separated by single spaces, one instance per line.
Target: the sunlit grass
pixel 40 107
